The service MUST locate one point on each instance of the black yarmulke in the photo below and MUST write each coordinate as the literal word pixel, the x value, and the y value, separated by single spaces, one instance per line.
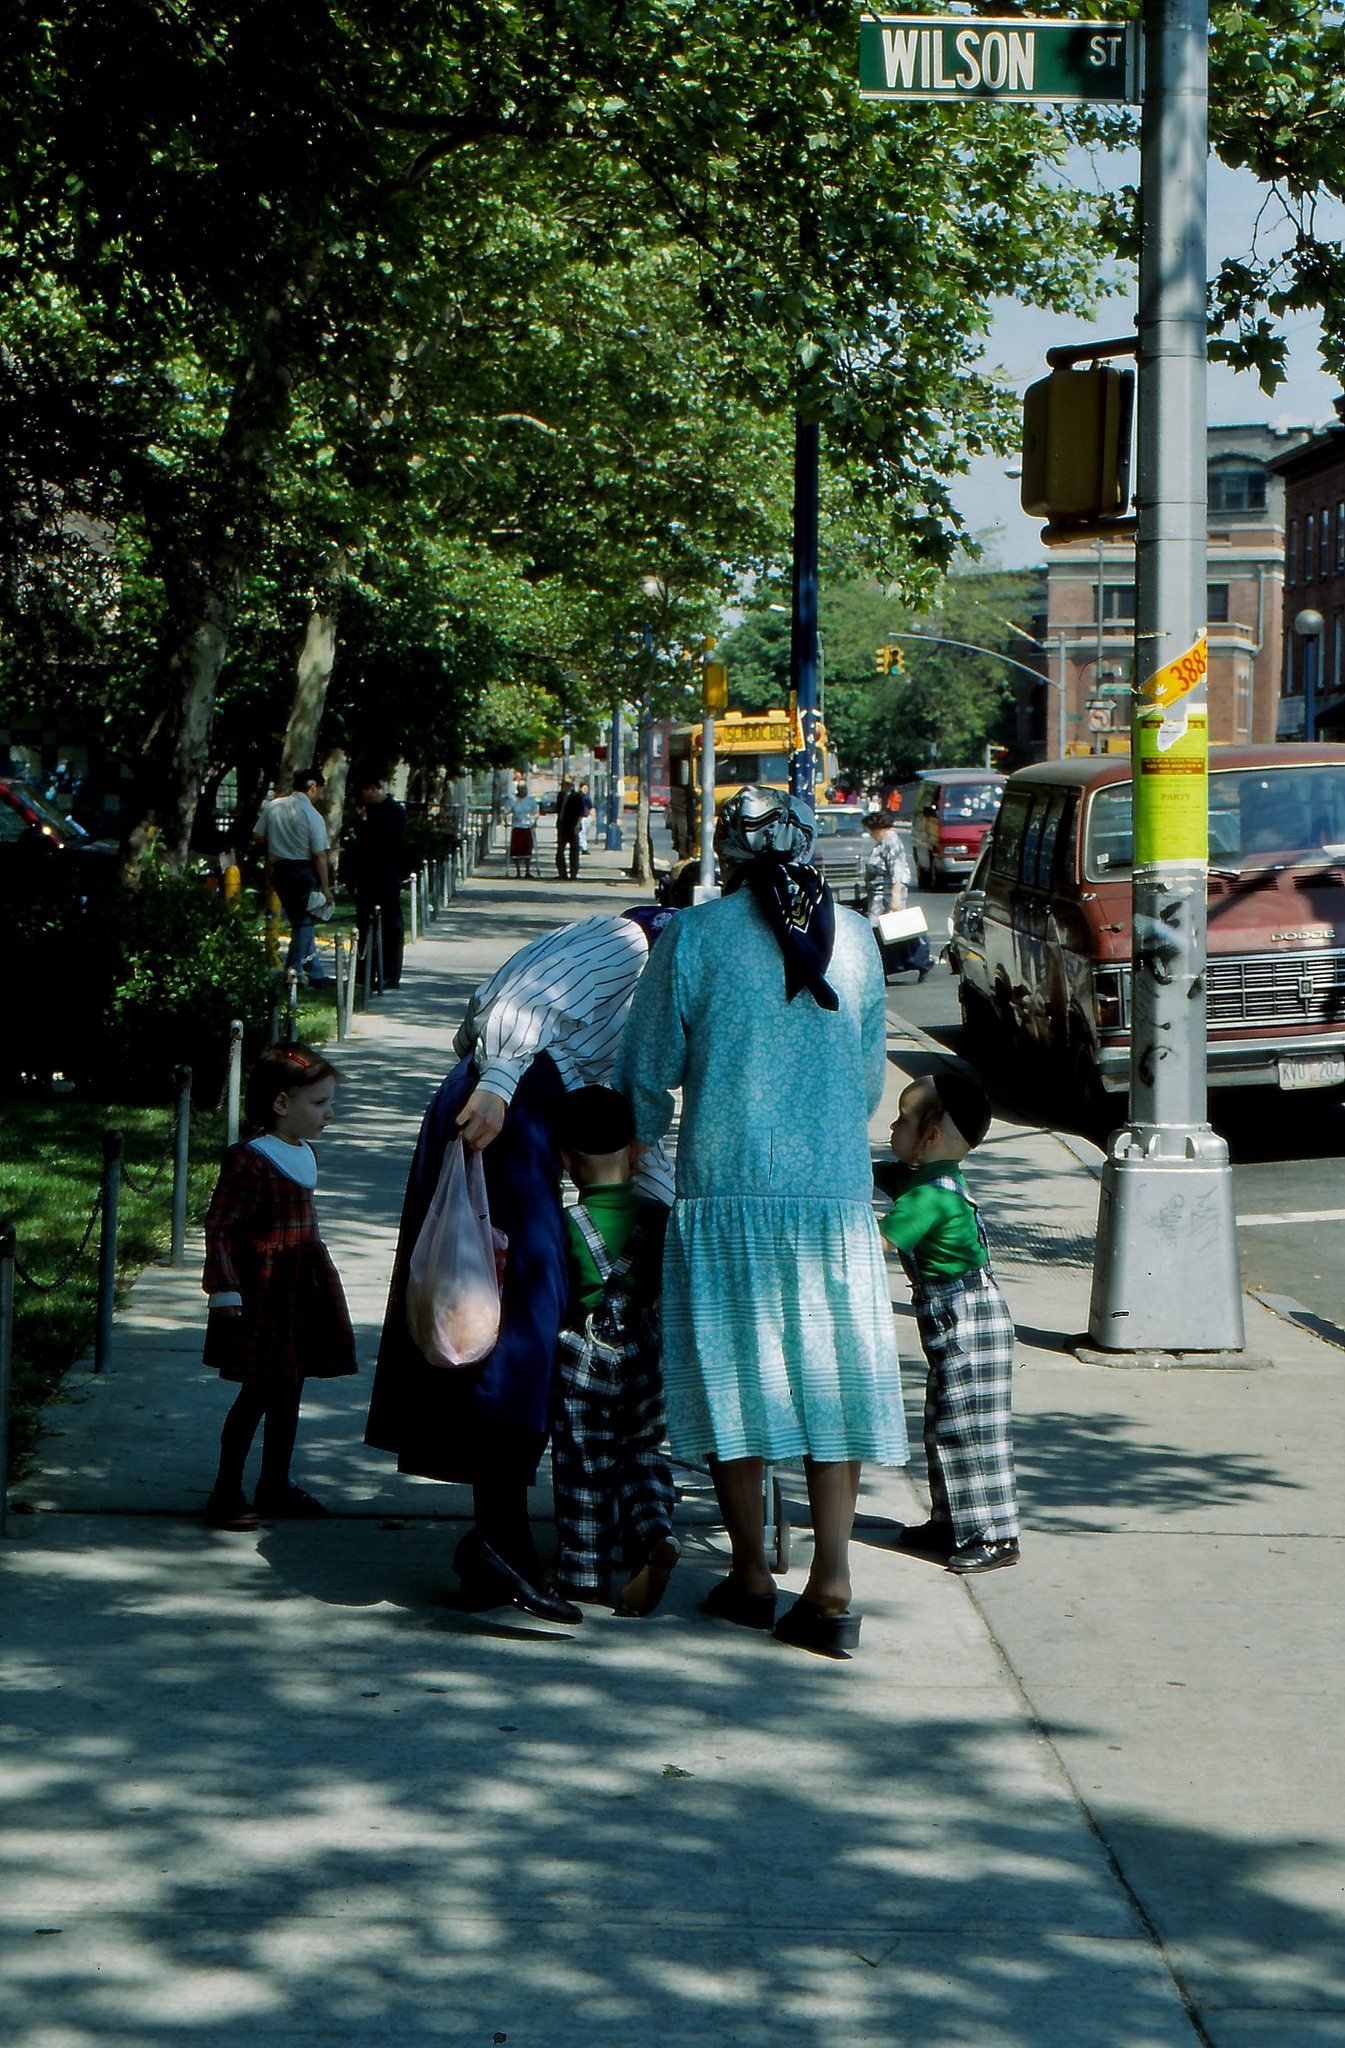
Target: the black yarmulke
pixel 965 1103
pixel 593 1120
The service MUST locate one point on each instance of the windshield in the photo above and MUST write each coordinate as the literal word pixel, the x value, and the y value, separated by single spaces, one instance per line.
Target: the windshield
pixel 972 802
pixel 743 768
pixel 47 811
pixel 1259 818
pixel 840 824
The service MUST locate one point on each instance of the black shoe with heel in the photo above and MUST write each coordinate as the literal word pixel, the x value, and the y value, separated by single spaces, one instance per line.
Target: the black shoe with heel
pixel 731 1602
pixel 489 1580
pixel 809 1627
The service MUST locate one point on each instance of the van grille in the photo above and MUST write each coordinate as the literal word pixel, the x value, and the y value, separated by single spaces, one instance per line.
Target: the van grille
pixel 1266 988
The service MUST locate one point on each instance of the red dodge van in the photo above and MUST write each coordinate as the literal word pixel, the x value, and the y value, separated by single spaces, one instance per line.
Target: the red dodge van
pixel 1057 918
pixel 953 812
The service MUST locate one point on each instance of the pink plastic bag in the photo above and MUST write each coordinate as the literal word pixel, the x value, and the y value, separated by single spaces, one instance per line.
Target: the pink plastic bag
pixel 457 1268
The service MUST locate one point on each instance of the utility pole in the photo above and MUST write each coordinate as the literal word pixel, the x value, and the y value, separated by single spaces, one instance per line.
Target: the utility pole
pixel 1165 1278
pixel 803 632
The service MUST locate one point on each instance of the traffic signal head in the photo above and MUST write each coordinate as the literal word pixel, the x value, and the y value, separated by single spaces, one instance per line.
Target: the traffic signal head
pixel 883 658
pixel 898 662
pixel 715 687
pixel 1076 444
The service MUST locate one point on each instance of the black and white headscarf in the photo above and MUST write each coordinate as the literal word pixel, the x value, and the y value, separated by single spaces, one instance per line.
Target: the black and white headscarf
pixel 770 836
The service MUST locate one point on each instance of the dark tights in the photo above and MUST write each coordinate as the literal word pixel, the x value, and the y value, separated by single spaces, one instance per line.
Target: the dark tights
pixel 500 1496
pixel 280 1406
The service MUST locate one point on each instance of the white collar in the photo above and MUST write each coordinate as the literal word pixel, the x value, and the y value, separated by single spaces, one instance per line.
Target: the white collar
pixel 299 1162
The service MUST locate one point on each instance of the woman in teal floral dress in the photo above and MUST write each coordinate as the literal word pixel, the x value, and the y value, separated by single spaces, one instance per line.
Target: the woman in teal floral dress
pixel 767 1009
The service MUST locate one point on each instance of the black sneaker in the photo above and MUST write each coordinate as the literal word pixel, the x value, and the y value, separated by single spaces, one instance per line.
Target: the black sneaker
pixel 991 1556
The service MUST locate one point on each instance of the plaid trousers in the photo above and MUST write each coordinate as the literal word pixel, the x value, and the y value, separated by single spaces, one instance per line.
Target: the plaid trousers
pixel 612 1484
pixel 967 1333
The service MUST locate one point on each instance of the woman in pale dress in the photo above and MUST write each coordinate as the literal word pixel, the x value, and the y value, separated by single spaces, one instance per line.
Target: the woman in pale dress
pixel 767 1009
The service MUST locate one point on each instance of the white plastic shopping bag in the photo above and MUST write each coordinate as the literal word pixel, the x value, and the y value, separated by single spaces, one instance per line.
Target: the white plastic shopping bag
pixel 896 925
pixel 457 1267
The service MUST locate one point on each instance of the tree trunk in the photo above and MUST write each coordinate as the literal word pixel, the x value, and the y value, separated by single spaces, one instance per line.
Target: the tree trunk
pixel 312 673
pixel 173 758
pixel 333 768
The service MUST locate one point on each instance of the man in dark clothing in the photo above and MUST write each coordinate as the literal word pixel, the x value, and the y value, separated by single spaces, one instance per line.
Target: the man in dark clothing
pixel 380 828
pixel 569 818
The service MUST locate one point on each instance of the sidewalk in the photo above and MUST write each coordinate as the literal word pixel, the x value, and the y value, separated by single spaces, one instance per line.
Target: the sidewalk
pixel 641 1835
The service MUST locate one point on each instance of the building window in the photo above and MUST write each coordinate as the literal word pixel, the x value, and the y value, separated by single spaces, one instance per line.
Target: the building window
pixel 1237 490
pixel 1337 650
pixel 1324 567
pixel 1244 710
pixel 1340 536
pixel 1118 600
pixel 1216 603
pixel 1309 548
pixel 1291 556
pixel 658 745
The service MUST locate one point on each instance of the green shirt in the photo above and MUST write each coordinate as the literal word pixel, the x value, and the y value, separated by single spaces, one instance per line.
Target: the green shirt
pixel 933 1227
pixel 613 1209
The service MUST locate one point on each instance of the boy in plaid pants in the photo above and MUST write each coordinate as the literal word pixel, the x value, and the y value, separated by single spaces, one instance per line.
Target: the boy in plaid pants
pixel 965 1327
pixel 613 1489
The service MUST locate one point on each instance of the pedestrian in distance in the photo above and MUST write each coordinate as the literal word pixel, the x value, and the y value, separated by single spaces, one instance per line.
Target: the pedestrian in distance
pixel 569 819
pixel 278 1314
pixel 766 1008
pixel 378 857
pixel 887 879
pixel 295 836
pixel 523 813
pixel 613 1486
pixel 587 802
pixel 964 1323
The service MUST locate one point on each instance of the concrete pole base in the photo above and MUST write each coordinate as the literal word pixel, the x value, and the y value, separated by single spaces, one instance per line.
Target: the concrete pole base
pixel 1165 1271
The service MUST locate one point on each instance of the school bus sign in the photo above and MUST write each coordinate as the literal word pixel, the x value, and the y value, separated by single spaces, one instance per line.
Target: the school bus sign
pixel 969 57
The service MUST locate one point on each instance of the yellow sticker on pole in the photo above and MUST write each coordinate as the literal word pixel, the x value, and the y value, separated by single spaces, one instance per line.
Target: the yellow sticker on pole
pixel 1172 791
pixel 1176 678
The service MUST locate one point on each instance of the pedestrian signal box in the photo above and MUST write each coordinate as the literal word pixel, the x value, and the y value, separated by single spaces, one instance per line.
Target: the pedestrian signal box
pixel 1076 450
pixel 715 687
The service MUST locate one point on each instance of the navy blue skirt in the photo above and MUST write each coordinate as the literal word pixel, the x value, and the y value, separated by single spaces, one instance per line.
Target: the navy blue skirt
pixel 469 1423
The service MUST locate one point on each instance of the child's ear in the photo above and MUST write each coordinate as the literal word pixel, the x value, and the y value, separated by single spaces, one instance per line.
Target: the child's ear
pixel 281 1104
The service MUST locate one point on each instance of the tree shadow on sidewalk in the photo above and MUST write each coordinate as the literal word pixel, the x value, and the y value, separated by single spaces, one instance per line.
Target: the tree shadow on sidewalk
pixel 239 1814
pixel 1068 1463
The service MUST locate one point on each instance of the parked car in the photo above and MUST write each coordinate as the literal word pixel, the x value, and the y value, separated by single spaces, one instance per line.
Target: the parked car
pixel 966 939
pixel 954 809
pixel 35 833
pixel 1056 919
pixel 842 844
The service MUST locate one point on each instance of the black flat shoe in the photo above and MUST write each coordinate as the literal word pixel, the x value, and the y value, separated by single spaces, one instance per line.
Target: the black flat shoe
pixel 984 1557
pixel 809 1627
pixel 293 1505
pixel 540 1599
pixel 230 1511
pixel 934 1541
pixel 728 1601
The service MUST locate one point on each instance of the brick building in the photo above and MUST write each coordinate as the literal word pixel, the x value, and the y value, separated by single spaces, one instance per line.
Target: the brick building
pixel 1246 501
pixel 1313 478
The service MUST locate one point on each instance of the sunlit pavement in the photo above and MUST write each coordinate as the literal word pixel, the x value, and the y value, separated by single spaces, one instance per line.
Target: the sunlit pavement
pixel 277 1788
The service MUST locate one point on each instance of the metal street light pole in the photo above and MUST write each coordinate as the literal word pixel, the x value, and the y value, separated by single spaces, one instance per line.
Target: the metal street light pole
pixel 1165 1276
pixel 1310 627
pixel 803 637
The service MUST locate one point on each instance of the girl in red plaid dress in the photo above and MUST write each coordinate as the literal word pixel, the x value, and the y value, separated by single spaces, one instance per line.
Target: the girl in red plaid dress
pixel 277 1310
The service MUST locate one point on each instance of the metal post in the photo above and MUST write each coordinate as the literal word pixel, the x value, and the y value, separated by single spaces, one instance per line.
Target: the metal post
pixel 6 1358
pixel 1061 686
pixel 113 1142
pixel 177 1255
pixel 273 1016
pixel 705 888
pixel 378 946
pixel 292 1005
pixel 235 1081
pixel 617 785
pixel 368 961
pixel 339 967
pixel 1310 627
pixel 1165 1277
pixel 352 961
pixel 803 628
pixel 415 907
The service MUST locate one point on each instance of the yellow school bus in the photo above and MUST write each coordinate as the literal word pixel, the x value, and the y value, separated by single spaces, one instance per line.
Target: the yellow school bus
pixel 750 746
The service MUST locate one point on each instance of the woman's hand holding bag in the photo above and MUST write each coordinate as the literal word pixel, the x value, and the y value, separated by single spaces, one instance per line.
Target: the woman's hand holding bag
pixel 457 1267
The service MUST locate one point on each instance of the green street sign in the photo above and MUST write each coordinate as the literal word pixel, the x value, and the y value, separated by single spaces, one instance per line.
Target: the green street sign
pixel 970 57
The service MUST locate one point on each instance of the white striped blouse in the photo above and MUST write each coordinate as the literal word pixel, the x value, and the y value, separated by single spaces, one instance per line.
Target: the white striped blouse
pixel 566 994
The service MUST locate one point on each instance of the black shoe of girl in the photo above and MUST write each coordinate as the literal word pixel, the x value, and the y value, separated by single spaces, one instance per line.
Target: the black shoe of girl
pixel 229 1511
pixel 988 1554
pixel 288 1504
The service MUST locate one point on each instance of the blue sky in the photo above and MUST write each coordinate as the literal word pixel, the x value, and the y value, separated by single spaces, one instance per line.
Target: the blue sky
pixel 988 499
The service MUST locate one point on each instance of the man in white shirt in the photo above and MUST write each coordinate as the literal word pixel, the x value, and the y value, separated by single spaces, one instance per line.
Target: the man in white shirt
pixel 296 849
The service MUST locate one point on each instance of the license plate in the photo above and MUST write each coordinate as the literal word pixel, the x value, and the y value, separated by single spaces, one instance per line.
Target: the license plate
pixel 1322 1071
